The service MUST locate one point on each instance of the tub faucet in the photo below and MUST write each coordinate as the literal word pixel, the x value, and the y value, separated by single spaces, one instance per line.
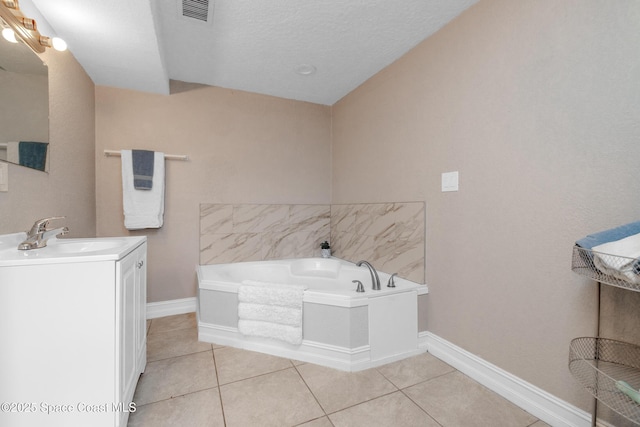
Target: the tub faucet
pixel 39 234
pixel 359 288
pixel 391 283
pixel 375 280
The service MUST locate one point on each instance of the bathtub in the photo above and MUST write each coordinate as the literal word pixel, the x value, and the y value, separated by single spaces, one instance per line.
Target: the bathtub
pixel 342 328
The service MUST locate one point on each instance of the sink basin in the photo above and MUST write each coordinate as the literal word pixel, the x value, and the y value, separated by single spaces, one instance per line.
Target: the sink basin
pixel 66 250
pixel 82 246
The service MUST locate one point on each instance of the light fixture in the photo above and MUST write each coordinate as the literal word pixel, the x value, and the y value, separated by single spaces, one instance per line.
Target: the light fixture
pixel 56 42
pixel 59 44
pixel 9 35
pixel 25 28
pixel 305 69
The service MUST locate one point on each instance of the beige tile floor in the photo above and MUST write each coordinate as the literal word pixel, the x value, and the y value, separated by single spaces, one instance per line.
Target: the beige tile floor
pixel 190 383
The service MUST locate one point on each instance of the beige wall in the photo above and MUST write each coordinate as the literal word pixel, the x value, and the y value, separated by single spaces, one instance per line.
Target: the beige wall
pixel 243 148
pixel 535 104
pixel 69 187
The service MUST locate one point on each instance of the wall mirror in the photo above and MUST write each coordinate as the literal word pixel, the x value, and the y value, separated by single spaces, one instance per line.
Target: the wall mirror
pixel 24 110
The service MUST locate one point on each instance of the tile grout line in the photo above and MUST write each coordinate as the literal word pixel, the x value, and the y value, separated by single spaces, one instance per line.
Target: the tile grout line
pixel 420 407
pixel 312 394
pixel 215 367
pixel 255 376
pixel 402 390
pixel 315 419
pixel 386 378
pixel 177 355
pixel 176 397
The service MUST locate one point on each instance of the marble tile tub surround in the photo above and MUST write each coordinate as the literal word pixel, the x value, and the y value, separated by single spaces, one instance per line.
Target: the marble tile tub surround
pixel 391 236
pixel 252 232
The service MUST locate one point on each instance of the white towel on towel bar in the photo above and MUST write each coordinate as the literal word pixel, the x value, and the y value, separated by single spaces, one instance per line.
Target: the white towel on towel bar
pixel 271 310
pixel 143 209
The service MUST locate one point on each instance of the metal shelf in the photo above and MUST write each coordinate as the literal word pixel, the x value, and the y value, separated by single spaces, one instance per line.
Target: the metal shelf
pixel 608 269
pixel 599 363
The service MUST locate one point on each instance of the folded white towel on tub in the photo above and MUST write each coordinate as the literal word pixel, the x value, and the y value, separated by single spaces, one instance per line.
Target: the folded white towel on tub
pixel 271 310
pixel 286 333
pixel 271 293
pixel 270 313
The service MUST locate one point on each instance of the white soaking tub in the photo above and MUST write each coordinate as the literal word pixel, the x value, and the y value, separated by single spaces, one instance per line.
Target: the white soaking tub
pixel 342 328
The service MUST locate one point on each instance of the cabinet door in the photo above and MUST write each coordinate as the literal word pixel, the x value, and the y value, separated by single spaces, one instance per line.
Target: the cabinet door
pixel 127 329
pixel 141 308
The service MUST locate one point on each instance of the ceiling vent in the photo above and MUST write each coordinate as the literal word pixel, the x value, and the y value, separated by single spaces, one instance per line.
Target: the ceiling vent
pixel 197 9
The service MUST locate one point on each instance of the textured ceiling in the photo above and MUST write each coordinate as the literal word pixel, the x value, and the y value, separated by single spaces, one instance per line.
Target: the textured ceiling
pixel 250 45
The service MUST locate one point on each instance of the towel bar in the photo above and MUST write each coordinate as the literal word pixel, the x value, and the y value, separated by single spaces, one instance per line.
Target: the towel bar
pixel 116 153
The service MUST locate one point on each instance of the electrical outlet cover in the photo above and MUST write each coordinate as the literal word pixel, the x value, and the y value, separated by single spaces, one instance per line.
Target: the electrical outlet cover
pixel 450 181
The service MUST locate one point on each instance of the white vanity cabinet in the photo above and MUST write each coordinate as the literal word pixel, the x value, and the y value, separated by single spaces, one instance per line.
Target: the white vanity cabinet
pixel 72 334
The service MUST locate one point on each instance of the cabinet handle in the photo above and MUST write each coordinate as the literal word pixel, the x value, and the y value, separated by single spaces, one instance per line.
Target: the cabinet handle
pixel 140 264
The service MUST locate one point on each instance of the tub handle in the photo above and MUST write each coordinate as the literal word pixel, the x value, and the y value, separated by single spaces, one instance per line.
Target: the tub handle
pixel 391 283
pixel 360 288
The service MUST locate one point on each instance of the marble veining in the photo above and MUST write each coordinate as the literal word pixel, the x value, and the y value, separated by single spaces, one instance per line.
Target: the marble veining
pixel 389 235
pixel 260 218
pixel 216 219
pixel 252 232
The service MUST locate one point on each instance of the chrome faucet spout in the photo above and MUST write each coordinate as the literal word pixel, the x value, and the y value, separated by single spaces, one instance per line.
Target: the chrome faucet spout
pixel 375 280
pixel 53 233
pixel 39 234
pixel 391 283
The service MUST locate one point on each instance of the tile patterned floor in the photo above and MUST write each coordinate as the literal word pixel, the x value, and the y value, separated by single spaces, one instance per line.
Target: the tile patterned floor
pixel 190 383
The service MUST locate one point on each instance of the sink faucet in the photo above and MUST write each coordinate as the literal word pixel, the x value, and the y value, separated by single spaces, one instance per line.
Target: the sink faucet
pixel 375 280
pixel 39 234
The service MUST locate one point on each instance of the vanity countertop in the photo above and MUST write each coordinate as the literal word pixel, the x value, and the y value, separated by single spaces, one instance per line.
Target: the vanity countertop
pixel 65 251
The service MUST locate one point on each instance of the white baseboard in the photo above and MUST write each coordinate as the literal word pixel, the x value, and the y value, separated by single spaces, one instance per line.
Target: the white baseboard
pixel 423 340
pixel 541 404
pixel 169 308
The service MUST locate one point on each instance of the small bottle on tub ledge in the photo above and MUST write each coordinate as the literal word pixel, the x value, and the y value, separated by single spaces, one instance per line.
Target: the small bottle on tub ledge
pixel 325 249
